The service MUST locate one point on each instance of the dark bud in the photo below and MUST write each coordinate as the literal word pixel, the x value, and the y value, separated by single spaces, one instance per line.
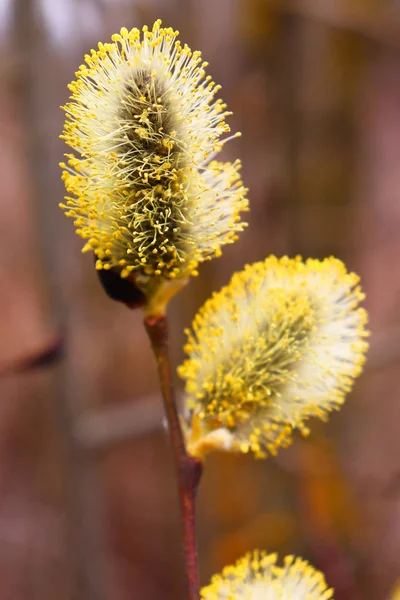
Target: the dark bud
pixel 122 290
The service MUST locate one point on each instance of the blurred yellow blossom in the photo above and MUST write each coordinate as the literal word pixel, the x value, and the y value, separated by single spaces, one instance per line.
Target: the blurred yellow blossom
pixel 257 576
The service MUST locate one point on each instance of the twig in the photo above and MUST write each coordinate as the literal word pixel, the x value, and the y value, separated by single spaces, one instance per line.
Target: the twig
pixel 189 469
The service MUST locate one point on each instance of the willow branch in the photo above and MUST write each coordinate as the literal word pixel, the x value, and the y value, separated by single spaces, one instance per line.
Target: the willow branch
pixel 188 468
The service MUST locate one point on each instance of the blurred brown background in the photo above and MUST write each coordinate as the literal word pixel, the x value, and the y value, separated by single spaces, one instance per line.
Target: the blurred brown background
pixel 86 478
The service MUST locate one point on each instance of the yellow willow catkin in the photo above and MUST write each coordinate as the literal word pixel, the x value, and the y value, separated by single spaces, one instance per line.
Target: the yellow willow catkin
pixel 257 576
pixel 144 185
pixel 282 342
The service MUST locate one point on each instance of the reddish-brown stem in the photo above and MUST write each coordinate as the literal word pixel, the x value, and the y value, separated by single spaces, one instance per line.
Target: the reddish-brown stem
pixel 188 468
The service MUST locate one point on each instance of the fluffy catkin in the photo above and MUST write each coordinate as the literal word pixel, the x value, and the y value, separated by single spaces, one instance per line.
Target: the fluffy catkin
pixel 144 185
pixel 282 342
